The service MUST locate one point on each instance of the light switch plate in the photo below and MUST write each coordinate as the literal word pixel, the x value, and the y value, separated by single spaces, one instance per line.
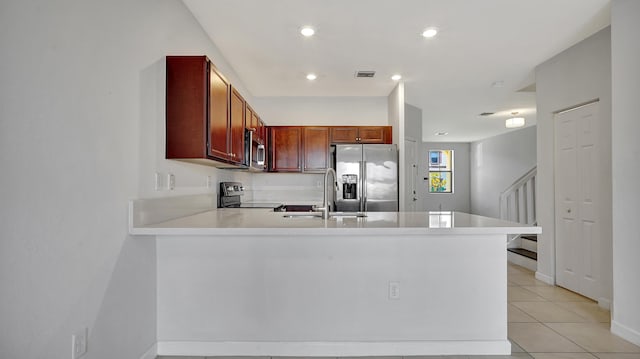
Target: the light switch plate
pixel 394 290
pixel 171 181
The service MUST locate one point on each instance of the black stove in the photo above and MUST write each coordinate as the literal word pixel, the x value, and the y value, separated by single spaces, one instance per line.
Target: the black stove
pixel 230 194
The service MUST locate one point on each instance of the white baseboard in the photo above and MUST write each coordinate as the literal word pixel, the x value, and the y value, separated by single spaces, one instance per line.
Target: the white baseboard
pixel 151 353
pixel 545 278
pixel 604 303
pixel 625 332
pixel 335 349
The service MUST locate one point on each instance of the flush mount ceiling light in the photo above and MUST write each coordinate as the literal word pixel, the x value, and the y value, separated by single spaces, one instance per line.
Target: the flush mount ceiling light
pixel 307 31
pixel 311 77
pixel 430 32
pixel 396 77
pixel 514 122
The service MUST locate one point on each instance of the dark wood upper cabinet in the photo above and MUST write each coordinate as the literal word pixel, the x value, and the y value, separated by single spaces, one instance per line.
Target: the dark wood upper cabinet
pixel 306 148
pixel 236 127
pixel 374 134
pixel 315 144
pixel 205 115
pixel 187 107
pixel 298 149
pixel 219 90
pixel 361 134
pixel 285 149
pixel 254 123
pixel 262 131
pixel 344 134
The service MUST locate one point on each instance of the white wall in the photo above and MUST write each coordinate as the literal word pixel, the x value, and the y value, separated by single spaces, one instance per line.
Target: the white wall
pixel 625 57
pixel 496 162
pixel 413 122
pixel 460 199
pixel 413 132
pixel 81 133
pixel 577 75
pixel 322 111
pixel 286 188
pixel 395 115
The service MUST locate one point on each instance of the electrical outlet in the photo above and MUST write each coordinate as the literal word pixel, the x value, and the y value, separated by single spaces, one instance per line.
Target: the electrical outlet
pixel 158 181
pixel 394 290
pixel 171 181
pixel 79 343
pixel 210 182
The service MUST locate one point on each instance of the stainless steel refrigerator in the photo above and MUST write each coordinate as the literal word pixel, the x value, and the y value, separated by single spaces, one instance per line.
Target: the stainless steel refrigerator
pixel 367 178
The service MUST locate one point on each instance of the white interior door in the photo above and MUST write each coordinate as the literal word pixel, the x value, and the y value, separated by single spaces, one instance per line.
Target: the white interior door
pixel 411 174
pixel 578 180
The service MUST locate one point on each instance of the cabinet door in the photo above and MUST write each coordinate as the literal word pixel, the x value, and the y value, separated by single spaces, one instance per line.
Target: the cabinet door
pixel 262 131
pixel 315 143
pixel 248 115
pixel 286 151
pixel 186 107
pixel 374 134
pixel 236 132
pixel 218 115
pixel 344 134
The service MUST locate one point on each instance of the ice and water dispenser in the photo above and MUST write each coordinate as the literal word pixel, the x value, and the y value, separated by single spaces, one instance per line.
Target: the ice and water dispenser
pixel 349 186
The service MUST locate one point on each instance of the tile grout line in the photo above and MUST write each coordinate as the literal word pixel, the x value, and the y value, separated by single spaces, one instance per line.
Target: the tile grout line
pixel 545 324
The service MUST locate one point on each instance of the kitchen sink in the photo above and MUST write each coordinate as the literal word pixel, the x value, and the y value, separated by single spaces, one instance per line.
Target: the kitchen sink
pixel 319 215
pixel 347 214
pixel 295 208
pixel 301 215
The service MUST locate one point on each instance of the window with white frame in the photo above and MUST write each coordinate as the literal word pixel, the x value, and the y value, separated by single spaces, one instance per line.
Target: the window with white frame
pixel 440 171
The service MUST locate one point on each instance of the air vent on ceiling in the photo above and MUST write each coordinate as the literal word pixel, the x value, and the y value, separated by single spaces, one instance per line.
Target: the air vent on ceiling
pixel 487 113
pixel 530 88
pixel 365 73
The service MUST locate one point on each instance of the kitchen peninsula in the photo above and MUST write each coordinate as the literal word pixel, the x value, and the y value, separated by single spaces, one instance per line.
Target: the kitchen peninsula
pixel 253 282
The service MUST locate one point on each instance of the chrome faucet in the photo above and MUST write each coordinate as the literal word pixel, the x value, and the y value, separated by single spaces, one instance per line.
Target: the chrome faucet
pixel 326 206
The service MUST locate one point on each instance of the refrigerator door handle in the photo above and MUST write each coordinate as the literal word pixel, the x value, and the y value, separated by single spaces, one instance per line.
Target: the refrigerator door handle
pixel 364 186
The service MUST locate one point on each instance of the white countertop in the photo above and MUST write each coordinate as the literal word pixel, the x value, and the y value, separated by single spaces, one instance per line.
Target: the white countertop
pixel 260 221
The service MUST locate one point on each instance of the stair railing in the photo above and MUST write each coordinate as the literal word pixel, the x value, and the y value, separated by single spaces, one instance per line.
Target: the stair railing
pixel 518 201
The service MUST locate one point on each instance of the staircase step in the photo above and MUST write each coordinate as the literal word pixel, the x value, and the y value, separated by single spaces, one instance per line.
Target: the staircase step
pixel 528 244
pixel 531 237
pixel 524 252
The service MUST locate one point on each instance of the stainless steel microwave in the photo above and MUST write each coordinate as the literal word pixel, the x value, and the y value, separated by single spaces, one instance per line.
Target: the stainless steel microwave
pixel 255 152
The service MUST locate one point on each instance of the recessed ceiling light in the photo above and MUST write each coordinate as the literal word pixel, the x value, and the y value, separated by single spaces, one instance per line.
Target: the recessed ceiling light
pixel 307 31
pixel 396 77
pixel 514 122
pixel 441 133
pixel 431 32
pixel 311 77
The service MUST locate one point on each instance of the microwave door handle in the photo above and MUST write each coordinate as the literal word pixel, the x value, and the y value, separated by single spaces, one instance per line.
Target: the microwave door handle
pixel 261 154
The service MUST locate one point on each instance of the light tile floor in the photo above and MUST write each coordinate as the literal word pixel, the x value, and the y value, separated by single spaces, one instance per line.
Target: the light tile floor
pixel 545 322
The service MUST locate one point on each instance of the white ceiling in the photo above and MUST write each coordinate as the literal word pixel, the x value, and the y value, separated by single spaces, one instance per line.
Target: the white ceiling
pixel 449 77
